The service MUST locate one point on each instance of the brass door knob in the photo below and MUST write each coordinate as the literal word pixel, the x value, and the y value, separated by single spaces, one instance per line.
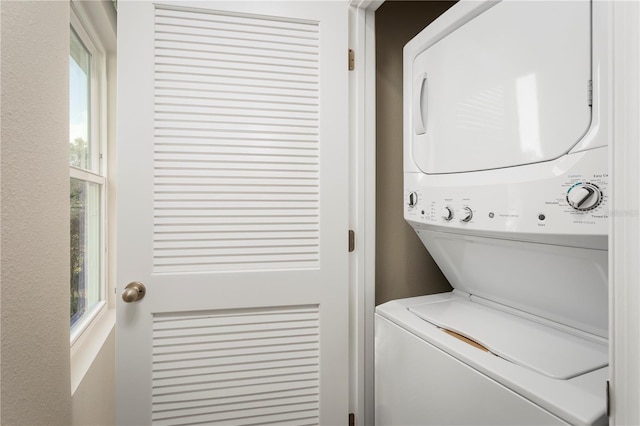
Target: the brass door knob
pixel 133 292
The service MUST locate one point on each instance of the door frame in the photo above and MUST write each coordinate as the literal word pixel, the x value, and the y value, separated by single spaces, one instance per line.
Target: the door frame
pixel 624 226
pixel 362 209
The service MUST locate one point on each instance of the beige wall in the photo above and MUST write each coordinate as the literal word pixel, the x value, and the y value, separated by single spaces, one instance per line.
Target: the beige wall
pixel 94 401
pixel 34 214
pixel 403 266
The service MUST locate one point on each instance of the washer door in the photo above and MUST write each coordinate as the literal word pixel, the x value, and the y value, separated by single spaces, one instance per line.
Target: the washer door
pixel 510 87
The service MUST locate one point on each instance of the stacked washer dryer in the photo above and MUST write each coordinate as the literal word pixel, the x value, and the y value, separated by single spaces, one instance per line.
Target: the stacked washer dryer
pixel 506 127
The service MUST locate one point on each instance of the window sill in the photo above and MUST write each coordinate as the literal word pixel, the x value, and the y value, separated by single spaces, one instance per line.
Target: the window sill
pixel 87 346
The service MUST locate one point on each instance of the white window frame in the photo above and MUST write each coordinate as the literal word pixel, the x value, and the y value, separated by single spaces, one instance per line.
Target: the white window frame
pixel 98 143
pixel 96 21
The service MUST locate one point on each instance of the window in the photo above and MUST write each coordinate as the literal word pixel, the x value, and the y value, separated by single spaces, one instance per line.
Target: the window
pixel 87 182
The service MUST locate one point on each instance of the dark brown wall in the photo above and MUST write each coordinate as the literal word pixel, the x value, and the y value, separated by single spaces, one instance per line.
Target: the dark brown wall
pixel 404 268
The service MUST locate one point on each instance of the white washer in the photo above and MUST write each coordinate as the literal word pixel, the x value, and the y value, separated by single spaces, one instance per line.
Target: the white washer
pixel 506 127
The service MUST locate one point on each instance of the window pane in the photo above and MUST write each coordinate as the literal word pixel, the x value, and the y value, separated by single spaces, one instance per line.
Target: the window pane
pixel 79 104
pixel 85 247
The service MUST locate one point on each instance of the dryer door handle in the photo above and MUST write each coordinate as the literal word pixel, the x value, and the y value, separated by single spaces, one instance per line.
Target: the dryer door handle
pixel 419 116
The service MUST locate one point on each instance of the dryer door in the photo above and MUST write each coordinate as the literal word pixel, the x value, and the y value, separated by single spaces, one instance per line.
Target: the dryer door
pixel 510 87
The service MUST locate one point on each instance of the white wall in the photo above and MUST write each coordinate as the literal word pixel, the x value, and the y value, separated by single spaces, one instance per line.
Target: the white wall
pixel 34 214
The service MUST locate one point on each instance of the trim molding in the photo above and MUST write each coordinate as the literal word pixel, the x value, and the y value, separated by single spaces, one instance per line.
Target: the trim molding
pixel 363 206
pixel 624 241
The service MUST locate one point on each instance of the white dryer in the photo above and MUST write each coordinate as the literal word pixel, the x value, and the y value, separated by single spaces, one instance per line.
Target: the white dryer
pixel 506 127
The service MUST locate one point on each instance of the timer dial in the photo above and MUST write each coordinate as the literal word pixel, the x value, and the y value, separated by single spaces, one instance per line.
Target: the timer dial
pixel 584 196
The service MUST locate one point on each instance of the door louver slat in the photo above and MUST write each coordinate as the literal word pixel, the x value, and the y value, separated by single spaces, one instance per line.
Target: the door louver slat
pixel 236 367
pixel 236 142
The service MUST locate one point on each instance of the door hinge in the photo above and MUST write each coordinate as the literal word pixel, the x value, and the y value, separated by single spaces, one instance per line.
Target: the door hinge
pixel 352 240
pixel 608 399
pixel 352 60
pixel 590 92
pixel 352 419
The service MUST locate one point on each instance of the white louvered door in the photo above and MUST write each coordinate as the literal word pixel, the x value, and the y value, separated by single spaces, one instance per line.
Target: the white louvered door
pixel 232 210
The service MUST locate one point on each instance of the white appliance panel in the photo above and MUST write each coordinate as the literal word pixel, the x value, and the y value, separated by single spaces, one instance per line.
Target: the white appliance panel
pixel 510 87
pixel 540 347
pixel 417 384
pixel 426 376
pixel 530 202
pixel 566 285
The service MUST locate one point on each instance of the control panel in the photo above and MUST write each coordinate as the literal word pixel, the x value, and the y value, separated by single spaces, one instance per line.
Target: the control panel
pixel 567 196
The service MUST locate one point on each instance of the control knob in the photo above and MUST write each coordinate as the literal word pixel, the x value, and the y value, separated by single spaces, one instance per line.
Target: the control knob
pixel 584 196
pixel 447 214
pixel 465 214
pixel 413 199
